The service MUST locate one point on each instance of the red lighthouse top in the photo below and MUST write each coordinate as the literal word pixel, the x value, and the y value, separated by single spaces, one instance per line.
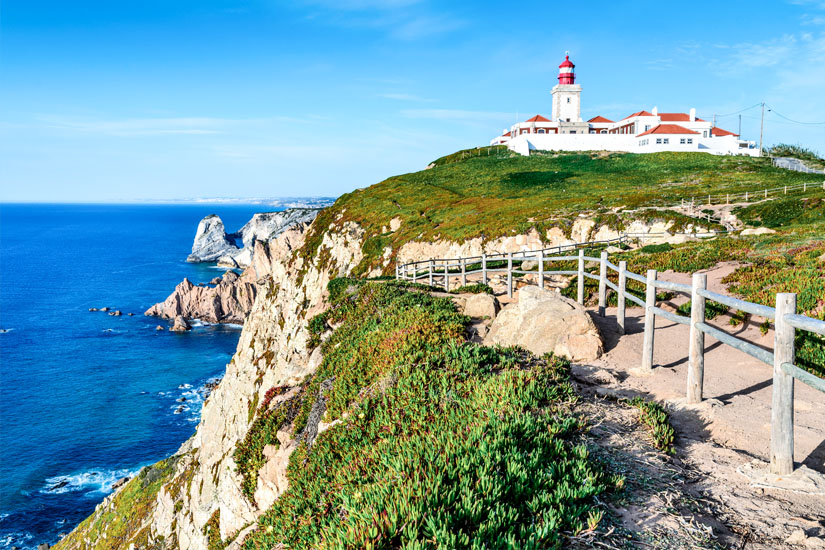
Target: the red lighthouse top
pixel 566 74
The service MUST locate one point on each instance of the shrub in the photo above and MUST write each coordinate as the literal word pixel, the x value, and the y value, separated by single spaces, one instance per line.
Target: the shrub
pixel 655 417
pixel 656 248
pixel 477 288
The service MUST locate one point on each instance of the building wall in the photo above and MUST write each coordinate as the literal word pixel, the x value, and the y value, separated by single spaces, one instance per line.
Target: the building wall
pixel 562 110
pixel 727 145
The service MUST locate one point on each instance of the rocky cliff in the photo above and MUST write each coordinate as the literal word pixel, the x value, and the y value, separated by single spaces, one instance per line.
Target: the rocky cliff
pixel 213 244
pixel 267 237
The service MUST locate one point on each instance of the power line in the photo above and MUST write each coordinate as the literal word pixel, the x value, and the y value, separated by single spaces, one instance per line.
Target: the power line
pixel 771 109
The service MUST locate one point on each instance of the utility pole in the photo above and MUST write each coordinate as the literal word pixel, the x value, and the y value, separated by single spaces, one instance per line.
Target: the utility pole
pixel 761 128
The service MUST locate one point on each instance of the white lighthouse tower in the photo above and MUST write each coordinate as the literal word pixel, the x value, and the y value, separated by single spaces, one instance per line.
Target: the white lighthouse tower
pixel 567 100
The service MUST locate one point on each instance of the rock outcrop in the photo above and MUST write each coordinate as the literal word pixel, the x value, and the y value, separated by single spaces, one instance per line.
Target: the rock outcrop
pixel 212 241
pixel 544 321
pixel 214 244
pixel 227 302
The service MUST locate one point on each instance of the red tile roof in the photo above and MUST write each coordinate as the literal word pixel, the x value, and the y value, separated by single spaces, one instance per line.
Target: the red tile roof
pixel 599 119
pixel 677 117
pixel 537 118
pixel 506 134
pixel 640 113
pixel 720 132
pixel 668 129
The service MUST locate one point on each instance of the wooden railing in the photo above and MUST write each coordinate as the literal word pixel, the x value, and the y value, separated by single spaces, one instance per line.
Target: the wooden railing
pixel 786 320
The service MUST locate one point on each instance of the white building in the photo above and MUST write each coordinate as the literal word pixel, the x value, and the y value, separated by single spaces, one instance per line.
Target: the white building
pixel 641 132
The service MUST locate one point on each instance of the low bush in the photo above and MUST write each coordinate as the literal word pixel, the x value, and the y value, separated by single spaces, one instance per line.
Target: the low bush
pixel 477 288
pixel 656 418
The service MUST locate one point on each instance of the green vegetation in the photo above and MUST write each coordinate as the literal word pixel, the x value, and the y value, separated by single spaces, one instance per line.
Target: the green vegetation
pixel 498 193
pixel 712 309
pixel 655 417
pixel 478 288
pixel 441 444
pixel 785 212
pixel 129 515
pixel 812 158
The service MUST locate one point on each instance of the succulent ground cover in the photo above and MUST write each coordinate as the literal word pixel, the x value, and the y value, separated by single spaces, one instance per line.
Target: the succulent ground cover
pixel 492 192
pixel 441 443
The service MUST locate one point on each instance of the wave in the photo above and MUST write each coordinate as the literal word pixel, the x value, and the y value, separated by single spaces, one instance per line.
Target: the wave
pixel 6 330
pixel 92 481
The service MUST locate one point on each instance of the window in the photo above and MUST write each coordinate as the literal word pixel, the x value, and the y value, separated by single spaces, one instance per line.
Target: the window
pixel 568 100
pixel 705 133
pixel 690 140
pixel 658 141
pixel 568 120
pixel 682 141
pixel 647 127
pixel 572 131
pixel 666 140
pixel 604 131
pixel 542 131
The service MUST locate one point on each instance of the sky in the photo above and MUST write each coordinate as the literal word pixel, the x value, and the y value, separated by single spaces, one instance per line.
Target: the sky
pixel 105 100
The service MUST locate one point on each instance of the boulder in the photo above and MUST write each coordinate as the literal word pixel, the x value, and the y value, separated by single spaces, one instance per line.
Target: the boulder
pixel 159 328
pixel 180 324
pixel 481 306
pixel 227 261
pixel 116 313
pixel 92 309
pixel 212 241
pixel 104 309
pixel 529 265
pixel 544 321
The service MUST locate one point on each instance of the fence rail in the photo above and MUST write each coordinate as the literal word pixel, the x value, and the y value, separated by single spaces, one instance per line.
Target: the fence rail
pixel 784 315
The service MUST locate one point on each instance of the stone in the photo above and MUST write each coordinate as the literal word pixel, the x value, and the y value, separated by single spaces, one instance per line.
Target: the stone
pixel 229 301
pixel 265 226
pixel 797 537
pixel 43 546
pixel 215 281
pixel 757 231
pixel 481 306
pixel 159 328
pixel 529 265
pixel 104 309
pixel 211 241
pixel 120 483
pixel 116 313
pixel 227 261
pixel 544 321
pixel 180 324
pixel 92 309
pixel 131 314
pixel 613 249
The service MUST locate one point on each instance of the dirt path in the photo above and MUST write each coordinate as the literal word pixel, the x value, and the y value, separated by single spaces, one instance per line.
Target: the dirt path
pixel 730 429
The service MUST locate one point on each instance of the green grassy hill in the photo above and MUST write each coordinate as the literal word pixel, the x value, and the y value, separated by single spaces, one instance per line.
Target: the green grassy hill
pixel 493 192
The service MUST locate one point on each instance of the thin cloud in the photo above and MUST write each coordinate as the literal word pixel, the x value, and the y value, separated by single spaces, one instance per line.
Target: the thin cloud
pixel 405 97
pixel 455 115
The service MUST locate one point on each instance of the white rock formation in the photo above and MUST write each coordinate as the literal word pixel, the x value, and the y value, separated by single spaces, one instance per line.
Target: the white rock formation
pixel 211 241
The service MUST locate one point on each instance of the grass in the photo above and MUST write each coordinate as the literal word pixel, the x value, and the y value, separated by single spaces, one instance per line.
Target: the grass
pixel 655 417
pixel 499 193
pixel 812 158
pixel 784 212
pixel 441 443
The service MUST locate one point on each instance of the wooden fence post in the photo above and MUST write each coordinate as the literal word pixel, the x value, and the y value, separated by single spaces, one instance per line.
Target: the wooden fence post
pixel 620 322
pixel 446 276
pixel 432 267
pixel 415 272
pixel 484 268
pixel 541 268
pixel 696 352
pixel 463 271
pixel 580 294
pixel 782 405
pixel 602 283
pixel 650 320
pixel 510 274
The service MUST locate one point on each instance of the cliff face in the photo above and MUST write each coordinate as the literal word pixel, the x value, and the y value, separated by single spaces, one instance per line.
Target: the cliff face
pixel 201 498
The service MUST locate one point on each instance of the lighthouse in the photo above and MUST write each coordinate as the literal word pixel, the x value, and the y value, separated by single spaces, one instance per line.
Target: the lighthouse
pixel 567 99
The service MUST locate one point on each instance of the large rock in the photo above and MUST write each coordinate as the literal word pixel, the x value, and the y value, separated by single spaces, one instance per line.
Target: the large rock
pixel 265 226
pixel 481 306
pixel 544 321
pixel 227 302
pixel 180 324
pixel 212 241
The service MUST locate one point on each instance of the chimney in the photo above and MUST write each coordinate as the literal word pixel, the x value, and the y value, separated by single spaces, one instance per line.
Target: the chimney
pixel 693 115
pixel 656 111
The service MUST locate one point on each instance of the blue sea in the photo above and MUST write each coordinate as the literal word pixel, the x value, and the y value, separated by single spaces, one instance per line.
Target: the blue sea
pixel 87 398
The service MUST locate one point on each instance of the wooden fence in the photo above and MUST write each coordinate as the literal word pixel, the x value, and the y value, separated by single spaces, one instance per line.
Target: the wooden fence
pixel 784 315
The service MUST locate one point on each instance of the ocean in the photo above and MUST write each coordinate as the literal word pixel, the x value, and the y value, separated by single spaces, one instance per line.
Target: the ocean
pixel 85 397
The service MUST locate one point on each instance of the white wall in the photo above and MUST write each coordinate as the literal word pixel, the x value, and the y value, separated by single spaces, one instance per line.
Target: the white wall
pixel 523 144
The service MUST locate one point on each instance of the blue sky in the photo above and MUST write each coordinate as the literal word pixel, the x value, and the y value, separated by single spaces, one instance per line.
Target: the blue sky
pixel 159 99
